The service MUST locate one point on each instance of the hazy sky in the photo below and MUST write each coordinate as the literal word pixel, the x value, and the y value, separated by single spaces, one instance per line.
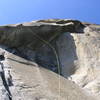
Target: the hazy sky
pixel 15 11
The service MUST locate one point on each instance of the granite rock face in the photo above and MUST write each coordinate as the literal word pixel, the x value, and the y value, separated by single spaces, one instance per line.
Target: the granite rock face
pixel 80 58
pixel 28 35
pixel 51 59
pixel 25 80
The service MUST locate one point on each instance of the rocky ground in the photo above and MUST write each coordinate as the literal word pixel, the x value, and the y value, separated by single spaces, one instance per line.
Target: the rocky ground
pixel 67 50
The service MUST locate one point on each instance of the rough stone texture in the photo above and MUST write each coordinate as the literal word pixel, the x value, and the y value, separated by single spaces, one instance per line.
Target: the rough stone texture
pixel 80 57
pixel 78 50
pixel 32 82
pixel 27 35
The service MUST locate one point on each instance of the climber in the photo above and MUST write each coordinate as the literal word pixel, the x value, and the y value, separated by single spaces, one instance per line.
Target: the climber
pixel 1 68
pixel 9 79
pixel 2 56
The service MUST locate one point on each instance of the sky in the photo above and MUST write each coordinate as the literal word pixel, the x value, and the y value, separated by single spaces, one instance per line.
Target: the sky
pixel 17 11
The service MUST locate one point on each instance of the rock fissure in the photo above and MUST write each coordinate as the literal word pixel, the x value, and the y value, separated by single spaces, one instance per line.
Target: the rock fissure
pixel 5 82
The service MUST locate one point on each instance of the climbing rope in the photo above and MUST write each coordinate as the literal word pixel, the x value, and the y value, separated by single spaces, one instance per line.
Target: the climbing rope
pixel 53 49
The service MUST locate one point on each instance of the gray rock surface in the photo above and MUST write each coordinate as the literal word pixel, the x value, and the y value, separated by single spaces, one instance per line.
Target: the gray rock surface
pixel 28 35
pixel 32 82
pixel 67 47
pixel 80 57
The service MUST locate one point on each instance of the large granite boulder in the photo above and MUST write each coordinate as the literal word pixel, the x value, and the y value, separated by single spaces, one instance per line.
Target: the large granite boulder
pixel 29 81
pixel 32 53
